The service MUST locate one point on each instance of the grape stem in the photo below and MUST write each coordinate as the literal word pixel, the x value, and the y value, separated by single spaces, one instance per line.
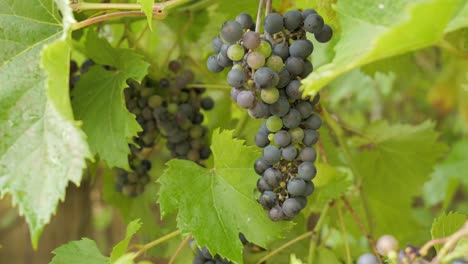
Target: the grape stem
pixel 317 231
pixel 179 249
pixel 156 242
pixel 261 4
pixel 339 134
pixel 349 260
pixel 361 226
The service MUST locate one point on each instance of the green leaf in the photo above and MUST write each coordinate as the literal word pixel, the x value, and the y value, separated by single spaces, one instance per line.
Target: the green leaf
pixel 375 30
pixel 295 260
pixel 84 251
pixel 41 147
pixel 394 162
pixel 147 7
pixel 98 100
pixel 460 20
pixel 119 249
pixel 446 225
pixel 330 183
pixel 126 259
pixel 448 174
pixel 214 205
pixel 326 256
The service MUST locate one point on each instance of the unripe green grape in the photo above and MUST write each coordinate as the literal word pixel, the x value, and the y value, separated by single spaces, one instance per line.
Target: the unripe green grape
pixel 275 63
pixel 269 95
pixel 238 67
pixel 274 124
pixel 172 108
pixel 271 137
pixel 155 101
pixel 264 48
pixel 255 60
pixel 297 135
pixel 235 52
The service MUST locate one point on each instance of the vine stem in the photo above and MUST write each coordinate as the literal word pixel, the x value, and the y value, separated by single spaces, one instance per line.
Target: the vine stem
pixel 339 133
pixel 285 245
pixel 159 11
pixel 450 242
pixel 450 48
pixel 361 226
pixel 345 237
pixel 317 230
pixel 179 249
pixel 156 242
pixel 83 6
pixel 258 23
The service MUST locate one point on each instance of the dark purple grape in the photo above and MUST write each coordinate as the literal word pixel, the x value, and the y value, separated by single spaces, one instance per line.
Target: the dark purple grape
pixel 260 110
pixel 305 108
pixel 284 78
pixel 276 213
pixel 266 78
pixel 294 65
pixel 217 43
pixel 271 154
pixel 261 140
pixel 281 107
pixel 293 90
pixel 231 31
pixel 307 170
pixel 246 99
pixel 260 166
pixel 273 177
pixel 251 40
pixel 313 122
pixel 207 103
pixel 292 119
pixel 325 35
pixel 308 68
pixel 308 154
pixel 245 20
pixel 310 137
pixel 263 186
pixel 301 48
pixel 289 153
pixel 282 138
pixel 273 23
pixel 236 78
pixel 282 50
pixel 267 199
pixel 313 23
pixel 292 20
pixel 291 207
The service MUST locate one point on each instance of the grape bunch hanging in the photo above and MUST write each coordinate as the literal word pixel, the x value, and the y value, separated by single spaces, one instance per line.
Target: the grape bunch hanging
pixel 166 108
pixel 266 72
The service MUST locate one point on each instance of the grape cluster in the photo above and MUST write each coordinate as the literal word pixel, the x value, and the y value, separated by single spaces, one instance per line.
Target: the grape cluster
pixel 387 246
pixel 203 256
pixel 265 73
pixel 169 109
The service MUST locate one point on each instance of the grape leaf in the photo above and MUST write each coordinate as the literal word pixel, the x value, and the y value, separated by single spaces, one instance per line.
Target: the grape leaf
pixel 453 169
pixel 98 100
pixel 394 162
pixel 147 8
pixel 41 147
pixel 214 205
pixel 84 251
pixel 446 225
pixel 119 249
pixel 375 30
pixel 460 20
pixel 330 183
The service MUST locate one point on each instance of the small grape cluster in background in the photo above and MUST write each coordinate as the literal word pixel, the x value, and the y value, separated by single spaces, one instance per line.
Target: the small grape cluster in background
pixel 169 109
pixel 266 72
